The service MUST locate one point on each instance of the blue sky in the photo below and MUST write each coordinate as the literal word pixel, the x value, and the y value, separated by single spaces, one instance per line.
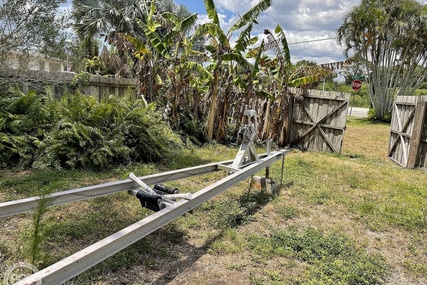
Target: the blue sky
pixel 195 6
pixel 310 25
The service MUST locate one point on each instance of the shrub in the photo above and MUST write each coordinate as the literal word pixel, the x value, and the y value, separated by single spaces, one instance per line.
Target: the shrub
pixel 372 116
pixel 24 118
pixel 75 131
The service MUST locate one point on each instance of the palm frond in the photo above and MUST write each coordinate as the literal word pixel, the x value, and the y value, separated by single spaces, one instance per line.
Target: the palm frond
pixel 305 80
pixel 187 23
pixel 203 72
pixel 140 48
pixel 256 69
pixel 245 39
pixel 286 52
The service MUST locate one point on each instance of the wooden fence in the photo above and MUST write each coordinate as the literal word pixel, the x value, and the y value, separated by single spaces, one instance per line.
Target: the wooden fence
pixel 312 119
pixel 408 133
pixel 59 82
pixel 102 86
pixel 319 121
pixel 315 121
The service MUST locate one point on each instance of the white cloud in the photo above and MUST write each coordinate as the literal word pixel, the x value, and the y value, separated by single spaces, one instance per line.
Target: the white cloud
pixel 302 21
pixel 240 6
pixel 202 19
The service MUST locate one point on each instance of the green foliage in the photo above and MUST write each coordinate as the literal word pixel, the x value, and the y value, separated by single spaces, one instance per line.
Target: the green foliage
pixel 232 213
pixel 287 212
pixel 76 131
pixel 420 92
pixel 82 78
pixel 372 116
pixel 146 134
pixel 191 128
pixel 29 25
pixel 331 257
pixel 358 98
pixel 24 118
pixel 382 33
pixel 38 234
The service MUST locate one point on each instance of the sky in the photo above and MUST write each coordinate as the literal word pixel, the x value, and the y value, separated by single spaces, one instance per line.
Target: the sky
pixel 310 25
pixel 302 21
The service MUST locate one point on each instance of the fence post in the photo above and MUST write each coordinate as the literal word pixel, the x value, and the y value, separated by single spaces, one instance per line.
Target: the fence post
pixel 414 148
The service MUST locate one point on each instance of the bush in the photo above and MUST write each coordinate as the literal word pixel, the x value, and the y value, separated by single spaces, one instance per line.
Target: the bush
pixel 76 131
pixel 358 98
pixel 24 119
pixel 372 116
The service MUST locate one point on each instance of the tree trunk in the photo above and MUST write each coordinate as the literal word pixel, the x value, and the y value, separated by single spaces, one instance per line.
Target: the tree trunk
pixel 214 99
pixel 266 124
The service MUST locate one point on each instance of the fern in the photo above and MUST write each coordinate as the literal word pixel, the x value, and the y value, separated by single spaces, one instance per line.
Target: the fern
pixel 24 119
pixel 76 131
pixel 147 135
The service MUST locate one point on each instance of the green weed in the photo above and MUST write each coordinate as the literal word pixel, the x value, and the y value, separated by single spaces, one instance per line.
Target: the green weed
pixel 38 236
pixel 287 212
pixel 332 258
pixel 229 242
pixel 236 212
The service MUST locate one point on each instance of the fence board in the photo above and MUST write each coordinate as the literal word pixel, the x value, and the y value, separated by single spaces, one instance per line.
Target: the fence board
pixel 98 86
pixel 408 132
pixel 318 121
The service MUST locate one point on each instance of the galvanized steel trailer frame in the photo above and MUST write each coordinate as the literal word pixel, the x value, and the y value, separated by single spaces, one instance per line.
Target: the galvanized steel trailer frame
pixel 82 260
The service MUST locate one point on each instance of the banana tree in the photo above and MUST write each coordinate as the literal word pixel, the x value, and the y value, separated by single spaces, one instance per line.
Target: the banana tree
pixel 221 51
pixel 166 60
pixel 281 75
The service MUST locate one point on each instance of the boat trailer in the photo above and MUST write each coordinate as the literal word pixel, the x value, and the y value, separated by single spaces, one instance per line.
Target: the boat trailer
pixel 167 203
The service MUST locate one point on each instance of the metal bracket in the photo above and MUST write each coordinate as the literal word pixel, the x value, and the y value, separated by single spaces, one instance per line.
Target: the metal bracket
pixel 158 198
pixel 246 137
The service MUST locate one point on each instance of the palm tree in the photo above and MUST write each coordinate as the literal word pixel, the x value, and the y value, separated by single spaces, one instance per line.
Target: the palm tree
pixel 106 19
pixel 390 37
pixel 180 11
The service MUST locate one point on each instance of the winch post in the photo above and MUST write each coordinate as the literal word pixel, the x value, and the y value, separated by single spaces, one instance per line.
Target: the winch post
pixel 246 136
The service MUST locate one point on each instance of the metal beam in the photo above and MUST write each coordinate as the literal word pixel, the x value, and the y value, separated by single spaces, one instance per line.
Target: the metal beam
pixel 79 262
pixel 24 205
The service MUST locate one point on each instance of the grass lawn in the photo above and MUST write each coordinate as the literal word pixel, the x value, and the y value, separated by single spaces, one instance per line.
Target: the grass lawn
pixel 354 218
